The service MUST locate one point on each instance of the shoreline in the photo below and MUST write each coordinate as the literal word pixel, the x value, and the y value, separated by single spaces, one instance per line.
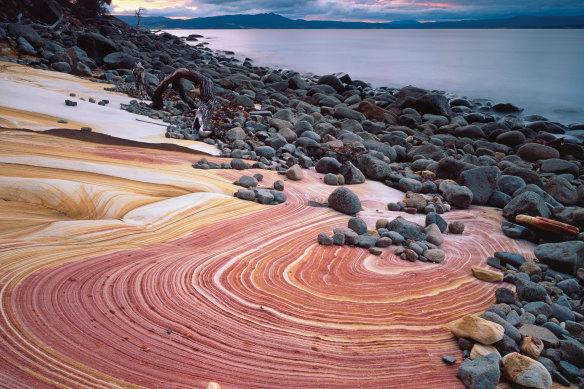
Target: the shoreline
pixel 136 264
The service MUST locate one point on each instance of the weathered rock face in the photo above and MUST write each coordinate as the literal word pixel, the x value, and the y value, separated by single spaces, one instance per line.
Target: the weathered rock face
pixel 480 330
pixel 526 371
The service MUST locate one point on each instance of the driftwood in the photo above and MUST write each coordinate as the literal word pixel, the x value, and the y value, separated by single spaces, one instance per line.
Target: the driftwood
pixel 202 123
pixel 140 80
pixel 547 225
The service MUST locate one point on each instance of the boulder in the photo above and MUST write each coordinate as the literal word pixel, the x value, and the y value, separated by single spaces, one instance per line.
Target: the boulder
pixel 527 203
pixel 480 373
pixel 458 196
pixel 372 167
pixel 351 174
pixel 327 165
pixel 119 60
pixel 509 184
pixel 324 239
pixel 27 32
pixel 482 181
pixel 406 228
pixel 333 81
pixel 559 166
pixel 450 168
pixel 423 101
pixel 471 131
pixel 358 225
pixel 433 235
pixel 96 46
pixel 573 352
pixel 344 200
pixel 294 173
pixel 561 190
pixel 525 371
pixel 530 291
pixel 533 152
pixel 435 255
pixel 347 113
pixel 511 138
pixel 476 328
pixel 565 257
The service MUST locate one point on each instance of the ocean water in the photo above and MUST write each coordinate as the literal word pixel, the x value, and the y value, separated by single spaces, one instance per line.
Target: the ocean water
pixel 541 71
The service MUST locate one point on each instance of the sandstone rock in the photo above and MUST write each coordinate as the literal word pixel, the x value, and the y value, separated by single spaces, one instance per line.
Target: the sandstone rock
pixel 480 330
pixel 486 275
pixel 531 346
pixel 545 335
pixel 525 371
pixel 480 350
pixel 433 235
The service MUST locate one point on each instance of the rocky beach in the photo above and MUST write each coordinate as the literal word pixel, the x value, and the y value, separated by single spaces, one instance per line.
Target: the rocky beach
pixel 318 233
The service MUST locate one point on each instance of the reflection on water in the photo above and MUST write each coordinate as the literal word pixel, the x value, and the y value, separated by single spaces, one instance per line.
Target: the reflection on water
pixel 539 70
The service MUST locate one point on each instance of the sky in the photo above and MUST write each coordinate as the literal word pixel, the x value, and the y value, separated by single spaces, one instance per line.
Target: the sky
pixel 353 10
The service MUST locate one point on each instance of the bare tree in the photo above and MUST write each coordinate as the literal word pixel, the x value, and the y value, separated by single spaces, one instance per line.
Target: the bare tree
pixel 204 114
pixel 139 14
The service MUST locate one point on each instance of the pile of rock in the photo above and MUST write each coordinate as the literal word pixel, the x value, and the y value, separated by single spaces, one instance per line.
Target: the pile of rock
pixel 420 203
pixel 416 242
pixel 535 335
pixel 251 192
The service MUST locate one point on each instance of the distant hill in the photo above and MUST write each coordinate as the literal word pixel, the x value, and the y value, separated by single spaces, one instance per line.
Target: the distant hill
pixel 274 21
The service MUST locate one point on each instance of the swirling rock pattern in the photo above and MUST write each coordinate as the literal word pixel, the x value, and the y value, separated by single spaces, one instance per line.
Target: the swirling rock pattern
pixel 123 267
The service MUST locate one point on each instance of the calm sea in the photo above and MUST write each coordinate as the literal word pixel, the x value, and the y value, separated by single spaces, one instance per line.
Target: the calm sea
pixel 541 71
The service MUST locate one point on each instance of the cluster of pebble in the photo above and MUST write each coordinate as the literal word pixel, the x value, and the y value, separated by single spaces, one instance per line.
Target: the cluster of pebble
pixel 417 242
pixel 534 335
pixel 251 192
pixel 420 203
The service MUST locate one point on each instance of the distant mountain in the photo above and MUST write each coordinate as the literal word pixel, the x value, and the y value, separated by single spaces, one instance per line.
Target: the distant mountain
pixel 274 21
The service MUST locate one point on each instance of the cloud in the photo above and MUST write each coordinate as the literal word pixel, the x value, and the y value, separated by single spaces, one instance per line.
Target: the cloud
pixel 372 10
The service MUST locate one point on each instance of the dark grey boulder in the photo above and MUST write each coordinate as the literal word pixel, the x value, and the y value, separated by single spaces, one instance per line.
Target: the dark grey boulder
pixel 528 175
pixel 530 291
pixel 511 138
pixel 533 152
pixel 96 46
pixel 551 202
pixel 333 81
pixel 458 196
pixel 504 296
pixel 561 190
pixel 482 181
pixel 573 352
pixel 248 181
pixel 80 69
pixel 537 308
pixel 513 259
pixel 351 174
pixel 434 218
pixel 527 203
pixel 480 373
pixel 509 329
pixel 62 67
pixel 367 241
pixel 450 168
pixel 328 165
pixel 423 101
pixel 409 184
pixel 559 166
pixel 509 184
pixel 27 32
pixel 344 200
pixel 427 151
pixel 569 286
pixel 358 225
pixel 264 196
pixel 516 231
pixel 372 167
pixel 564 257
pixel 499 199
pixel 265 151
pixel 245 194
pixel 406 228
pixel 562 313
pixel 119 60
pixel 470 131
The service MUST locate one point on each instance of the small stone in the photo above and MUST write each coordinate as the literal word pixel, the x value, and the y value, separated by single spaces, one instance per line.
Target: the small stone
pixel 331 179
pixel 393 207
pixel 70 103
pixel 62 121
pixel 449 360
pixel 259 177
pixel 375 251
pixel 345 201
pixel 504 296
pixel 525 371
pixel 357 225
pixel 245 194
pixel 383 242
pixel 408 255
pixel 435 255
pixel 247 181
pixel 264 196
pixel 238 164
pixel 531 346
pixel 456 227
pixel 294 173
pixel 324 239
pixel 278 185
pixel 433 235
pixel 87 129
pixel 339 239
pixel 381 223
pixel 486 275
pixel 546 336
pixel 480 330
pixel 434 218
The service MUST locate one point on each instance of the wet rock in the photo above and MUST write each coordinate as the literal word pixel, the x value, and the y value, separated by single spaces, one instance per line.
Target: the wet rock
pixel 516 231
pixel 510 184
pixel 481 373
pixel 471 131
pixel 525 371
pixel 344 200
pixel 511 138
